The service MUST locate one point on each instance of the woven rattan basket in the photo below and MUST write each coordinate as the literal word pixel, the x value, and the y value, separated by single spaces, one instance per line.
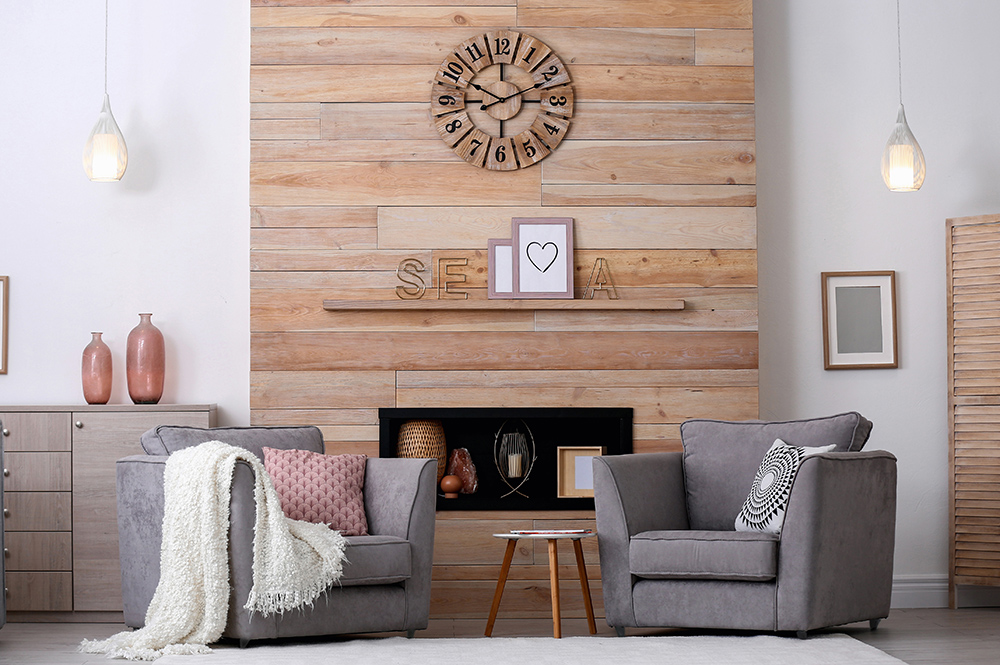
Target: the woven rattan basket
pixel 423 438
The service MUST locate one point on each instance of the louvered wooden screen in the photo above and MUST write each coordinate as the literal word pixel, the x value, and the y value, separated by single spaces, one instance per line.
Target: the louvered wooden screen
pixel 973 263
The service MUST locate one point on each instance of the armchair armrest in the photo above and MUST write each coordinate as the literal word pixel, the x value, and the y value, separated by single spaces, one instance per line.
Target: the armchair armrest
pixel 401 500
pixel 837 542
pixel 632 494
pixel 140 518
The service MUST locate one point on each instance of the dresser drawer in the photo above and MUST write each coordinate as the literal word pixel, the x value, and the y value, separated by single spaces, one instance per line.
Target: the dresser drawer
pixel 39 592
pixel 38 472
pixel 38 511
pixel 38 550
pixel 42 432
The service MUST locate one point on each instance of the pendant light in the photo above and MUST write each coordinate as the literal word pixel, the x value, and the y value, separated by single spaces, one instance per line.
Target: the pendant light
pixel 105 156
pixel 903 165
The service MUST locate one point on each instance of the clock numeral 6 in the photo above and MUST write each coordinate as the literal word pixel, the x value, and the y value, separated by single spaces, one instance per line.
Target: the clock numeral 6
pixel 500 155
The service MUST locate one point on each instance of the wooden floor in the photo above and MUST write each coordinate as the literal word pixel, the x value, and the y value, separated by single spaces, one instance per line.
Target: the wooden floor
pixel 917 636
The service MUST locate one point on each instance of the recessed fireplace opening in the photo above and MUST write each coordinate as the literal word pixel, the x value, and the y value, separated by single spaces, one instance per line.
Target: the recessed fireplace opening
pixel 543 431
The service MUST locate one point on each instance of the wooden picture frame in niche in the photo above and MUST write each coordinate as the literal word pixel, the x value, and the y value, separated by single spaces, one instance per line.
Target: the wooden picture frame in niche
pixel 859 320
pixel 574 470
pixel 543 257
pixel 4 311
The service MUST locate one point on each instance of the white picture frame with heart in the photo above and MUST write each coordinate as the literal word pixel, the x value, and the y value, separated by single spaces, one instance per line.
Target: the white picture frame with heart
pixel 543 257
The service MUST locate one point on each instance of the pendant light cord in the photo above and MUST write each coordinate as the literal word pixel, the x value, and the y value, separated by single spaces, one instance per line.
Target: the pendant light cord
pixel 106 44
pixel 899 55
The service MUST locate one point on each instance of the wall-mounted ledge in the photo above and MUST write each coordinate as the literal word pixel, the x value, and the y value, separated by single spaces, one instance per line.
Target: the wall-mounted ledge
pixel 472 305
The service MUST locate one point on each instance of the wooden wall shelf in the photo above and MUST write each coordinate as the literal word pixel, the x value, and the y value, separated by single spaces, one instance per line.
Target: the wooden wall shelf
pixel 435 304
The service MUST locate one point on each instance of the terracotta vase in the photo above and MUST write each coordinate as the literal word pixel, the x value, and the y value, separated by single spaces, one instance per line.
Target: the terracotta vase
pixel 144 362
pixel 97 371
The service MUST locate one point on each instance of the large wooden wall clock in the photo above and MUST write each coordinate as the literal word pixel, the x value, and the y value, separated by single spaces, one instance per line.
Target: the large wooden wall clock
pixel 502 100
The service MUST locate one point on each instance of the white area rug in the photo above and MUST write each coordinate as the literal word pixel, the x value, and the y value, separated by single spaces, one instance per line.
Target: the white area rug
pixel 711 650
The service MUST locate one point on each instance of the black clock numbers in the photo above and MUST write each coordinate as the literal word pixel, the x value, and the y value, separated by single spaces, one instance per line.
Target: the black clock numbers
pixel 454 80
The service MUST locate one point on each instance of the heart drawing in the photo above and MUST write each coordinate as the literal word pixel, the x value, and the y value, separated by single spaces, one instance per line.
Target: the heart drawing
pixel 542 255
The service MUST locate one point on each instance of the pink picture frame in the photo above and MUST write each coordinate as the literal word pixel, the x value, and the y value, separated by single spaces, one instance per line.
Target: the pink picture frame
pixel 542 263
pixel 500 268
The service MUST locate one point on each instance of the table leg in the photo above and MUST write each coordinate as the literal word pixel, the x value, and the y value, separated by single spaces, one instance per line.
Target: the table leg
pixel 554 582
pixel 501 581
pixel 588 605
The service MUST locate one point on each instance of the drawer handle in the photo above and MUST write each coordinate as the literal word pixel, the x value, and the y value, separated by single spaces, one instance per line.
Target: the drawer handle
pixel 6 473
pixel 6 432
pixel 6 513
pixel 6 552
pixel 79 424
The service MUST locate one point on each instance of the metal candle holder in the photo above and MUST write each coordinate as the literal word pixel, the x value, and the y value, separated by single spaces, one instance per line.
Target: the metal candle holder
pixel 514 455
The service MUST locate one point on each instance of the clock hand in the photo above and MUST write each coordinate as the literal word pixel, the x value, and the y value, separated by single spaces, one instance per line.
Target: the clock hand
pixel 501 100
pixel 482 89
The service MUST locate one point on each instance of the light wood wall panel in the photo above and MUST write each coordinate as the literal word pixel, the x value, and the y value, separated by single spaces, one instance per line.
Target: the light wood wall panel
pixel 348 179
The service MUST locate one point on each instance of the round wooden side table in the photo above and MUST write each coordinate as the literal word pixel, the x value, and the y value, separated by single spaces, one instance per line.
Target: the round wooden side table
pixel 553 537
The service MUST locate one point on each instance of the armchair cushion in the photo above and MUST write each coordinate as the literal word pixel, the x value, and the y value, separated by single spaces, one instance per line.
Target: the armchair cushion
pixel 750 556
pixel 375 560
pixel 167 439
pixel 721 458
pixel 320 488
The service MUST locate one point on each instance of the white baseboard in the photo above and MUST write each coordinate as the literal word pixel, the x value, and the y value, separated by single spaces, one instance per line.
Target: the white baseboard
pixel 919 591
pixel 932 591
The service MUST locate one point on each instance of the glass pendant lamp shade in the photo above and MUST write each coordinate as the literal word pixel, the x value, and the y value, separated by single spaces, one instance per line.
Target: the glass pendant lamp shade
pixel 105 156
pixel 903 165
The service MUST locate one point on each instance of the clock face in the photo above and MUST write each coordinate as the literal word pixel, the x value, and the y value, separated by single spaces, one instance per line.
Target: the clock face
pixel 502 100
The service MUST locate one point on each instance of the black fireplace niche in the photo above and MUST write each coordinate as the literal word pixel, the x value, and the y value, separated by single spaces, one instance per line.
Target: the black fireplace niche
pixel 476 430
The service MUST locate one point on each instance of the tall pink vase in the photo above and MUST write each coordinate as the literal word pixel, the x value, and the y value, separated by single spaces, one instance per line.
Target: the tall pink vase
pixel 96 371
pixel 144 362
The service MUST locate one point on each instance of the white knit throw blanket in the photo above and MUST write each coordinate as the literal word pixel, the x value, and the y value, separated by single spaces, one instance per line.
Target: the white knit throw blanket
pixel 293 561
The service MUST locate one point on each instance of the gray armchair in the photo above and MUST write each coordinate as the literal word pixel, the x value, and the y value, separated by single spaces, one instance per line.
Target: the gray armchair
pixel 670 554
pixel 387 576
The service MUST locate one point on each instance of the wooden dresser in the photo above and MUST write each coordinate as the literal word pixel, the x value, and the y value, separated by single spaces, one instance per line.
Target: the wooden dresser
pixel 59 501
pixel 973 265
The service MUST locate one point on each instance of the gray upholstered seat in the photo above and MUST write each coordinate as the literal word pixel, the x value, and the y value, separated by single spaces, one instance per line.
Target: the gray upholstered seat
pixel 386 580
pixel 704 555
pixel 670 554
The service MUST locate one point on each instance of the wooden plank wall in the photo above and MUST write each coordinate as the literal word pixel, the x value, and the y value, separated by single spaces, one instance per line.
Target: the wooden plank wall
pixel 348 177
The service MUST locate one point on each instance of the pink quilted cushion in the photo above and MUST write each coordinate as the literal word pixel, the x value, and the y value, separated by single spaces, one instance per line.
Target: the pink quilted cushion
pixel 320 488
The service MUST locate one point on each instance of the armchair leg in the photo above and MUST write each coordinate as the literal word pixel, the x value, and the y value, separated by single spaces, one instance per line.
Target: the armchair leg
pixel 620 631
pixel 410 633
pixel 802 634
pixel 873 623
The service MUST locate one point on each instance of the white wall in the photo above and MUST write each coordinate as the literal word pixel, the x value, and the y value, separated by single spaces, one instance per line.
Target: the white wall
pixel 171 238
pixel 827 94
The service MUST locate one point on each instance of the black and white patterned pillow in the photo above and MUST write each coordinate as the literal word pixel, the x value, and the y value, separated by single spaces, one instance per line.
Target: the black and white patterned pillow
pixel 764 509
